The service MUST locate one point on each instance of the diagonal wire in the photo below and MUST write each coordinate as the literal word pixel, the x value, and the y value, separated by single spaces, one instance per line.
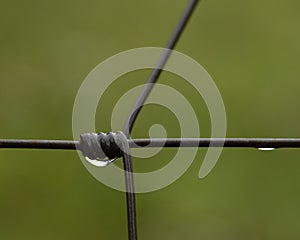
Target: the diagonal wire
pixel 171 142
pixel 130 195
pixel 159 67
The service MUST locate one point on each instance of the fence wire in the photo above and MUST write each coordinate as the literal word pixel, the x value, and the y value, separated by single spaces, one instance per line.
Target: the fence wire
pixel 161 142
pixel 260 143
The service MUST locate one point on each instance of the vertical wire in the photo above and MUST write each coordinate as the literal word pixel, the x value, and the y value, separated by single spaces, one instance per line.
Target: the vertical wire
pixel 129 184
pixel 127 161
pixel 130 197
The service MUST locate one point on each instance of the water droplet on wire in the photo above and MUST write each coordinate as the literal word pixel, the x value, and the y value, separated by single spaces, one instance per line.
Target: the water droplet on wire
pixel 100 163
pixel 266 149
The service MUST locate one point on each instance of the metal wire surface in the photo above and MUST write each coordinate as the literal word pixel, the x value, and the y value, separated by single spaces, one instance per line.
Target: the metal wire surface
pixel 127 162
pixel 160 142
pixel 260 143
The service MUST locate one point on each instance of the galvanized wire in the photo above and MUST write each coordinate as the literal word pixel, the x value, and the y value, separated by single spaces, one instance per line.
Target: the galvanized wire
pixel 159 67
pixel 161 142
pixel 130 196
pixel 261 143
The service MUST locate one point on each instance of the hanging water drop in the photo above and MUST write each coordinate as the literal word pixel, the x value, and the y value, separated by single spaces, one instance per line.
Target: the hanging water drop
pixel 266 149
pixel 100 163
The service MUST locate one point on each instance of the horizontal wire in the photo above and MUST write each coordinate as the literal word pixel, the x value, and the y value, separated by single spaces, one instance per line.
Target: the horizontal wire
pixel 39 144
pixel 219 142
pixel 161 142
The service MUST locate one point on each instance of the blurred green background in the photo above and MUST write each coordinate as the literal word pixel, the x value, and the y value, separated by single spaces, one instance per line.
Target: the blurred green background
pixel 251 49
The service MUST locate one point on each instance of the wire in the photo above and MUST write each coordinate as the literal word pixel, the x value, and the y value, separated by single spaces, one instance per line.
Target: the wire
pixel 160 142
pixel 162 62
pixel 39 144
pixel 218 142
pixel 129 182
pixel 130 196
pixel 171 142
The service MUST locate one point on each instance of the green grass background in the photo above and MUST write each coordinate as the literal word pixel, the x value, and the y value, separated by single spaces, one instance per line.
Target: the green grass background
pixel 251 49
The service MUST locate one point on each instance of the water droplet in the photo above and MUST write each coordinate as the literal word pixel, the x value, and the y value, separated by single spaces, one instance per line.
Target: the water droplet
pixel 100 163
pixel 266 149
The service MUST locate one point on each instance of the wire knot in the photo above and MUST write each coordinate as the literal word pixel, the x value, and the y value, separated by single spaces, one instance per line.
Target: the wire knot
pixel 102 146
